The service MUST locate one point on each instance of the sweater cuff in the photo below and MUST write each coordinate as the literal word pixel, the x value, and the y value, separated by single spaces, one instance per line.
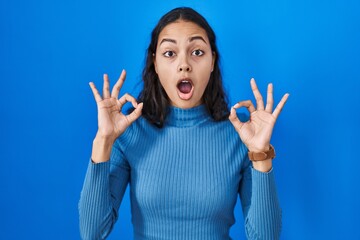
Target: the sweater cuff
pixel 264 220
pixel 271 169
pixel 97 177
pixel 96 186
pixel 264 191
pixel 95 202
pixel 98 170
pixel 263 182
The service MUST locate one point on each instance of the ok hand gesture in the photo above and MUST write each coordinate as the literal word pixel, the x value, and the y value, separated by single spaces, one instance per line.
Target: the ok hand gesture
pixel 111 121
pixel 256 133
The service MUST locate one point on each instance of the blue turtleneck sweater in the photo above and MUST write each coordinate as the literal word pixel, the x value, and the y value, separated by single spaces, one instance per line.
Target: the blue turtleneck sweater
pixel 184 182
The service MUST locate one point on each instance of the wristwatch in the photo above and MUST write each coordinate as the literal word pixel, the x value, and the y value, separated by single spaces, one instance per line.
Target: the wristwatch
pixel 261 156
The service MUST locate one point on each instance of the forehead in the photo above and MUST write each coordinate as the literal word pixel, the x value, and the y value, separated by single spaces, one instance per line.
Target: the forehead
pixel 182 29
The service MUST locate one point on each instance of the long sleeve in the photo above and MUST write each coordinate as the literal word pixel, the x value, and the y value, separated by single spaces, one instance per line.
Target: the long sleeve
pixel 185 179
pixel 101 196
pixel 260 203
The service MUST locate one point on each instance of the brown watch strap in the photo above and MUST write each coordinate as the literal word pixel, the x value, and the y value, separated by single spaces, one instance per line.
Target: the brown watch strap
pixel 261 156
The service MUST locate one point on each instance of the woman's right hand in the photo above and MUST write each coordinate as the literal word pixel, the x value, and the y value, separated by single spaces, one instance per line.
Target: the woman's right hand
pixel 111 121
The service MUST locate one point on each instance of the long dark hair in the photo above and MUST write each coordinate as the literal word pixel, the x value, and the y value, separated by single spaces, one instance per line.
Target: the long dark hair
pixel 153 95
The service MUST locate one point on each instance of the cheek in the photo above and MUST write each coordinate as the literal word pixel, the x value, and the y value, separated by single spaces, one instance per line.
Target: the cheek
pixel 163 68
pixel 205 83
pixel 164 77
pixel 206 72
pixel 206 64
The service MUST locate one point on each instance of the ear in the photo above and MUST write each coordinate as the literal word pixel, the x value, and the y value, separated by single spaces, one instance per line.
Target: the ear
pixel 213 61
pixel 154 60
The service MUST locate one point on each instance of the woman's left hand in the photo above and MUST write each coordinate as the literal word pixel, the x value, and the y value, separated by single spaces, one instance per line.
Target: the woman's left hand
pixel 256 132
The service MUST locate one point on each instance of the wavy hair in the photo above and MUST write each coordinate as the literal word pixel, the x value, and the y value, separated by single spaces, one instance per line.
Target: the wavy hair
pixel 153 95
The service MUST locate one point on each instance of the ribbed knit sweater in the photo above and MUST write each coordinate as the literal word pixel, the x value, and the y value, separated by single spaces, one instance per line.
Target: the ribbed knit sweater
pixel 184 182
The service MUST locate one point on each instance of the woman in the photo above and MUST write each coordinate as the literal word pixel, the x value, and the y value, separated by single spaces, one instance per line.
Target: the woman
pixel 184 155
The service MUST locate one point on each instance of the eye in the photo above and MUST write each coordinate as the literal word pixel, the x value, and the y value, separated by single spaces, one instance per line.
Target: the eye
pixel 169 54
pixel 197 52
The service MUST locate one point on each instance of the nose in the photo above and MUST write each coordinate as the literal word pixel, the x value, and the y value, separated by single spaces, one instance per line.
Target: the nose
pixel 184 65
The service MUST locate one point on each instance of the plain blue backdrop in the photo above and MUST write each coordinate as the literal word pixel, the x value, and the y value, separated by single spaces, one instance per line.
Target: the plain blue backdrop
pixel 50 50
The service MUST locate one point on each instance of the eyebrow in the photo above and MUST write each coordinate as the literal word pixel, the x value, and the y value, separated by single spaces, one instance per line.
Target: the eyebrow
pixel 168 40
pixel 190 39
pixel 197 38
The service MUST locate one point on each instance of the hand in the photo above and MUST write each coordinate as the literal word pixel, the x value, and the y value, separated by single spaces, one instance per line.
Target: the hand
pixel 256 133
pixel 111 121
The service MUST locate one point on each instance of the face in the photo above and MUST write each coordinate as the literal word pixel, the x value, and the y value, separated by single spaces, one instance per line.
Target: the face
pixel 184 62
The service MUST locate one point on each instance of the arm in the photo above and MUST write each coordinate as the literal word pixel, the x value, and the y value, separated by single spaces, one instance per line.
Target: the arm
pixel 257 188
pixel 260 205
pixel 105 180
pixel 104 187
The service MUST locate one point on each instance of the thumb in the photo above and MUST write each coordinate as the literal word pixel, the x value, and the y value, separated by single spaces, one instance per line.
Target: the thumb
pixel 135 114
pixel 235 120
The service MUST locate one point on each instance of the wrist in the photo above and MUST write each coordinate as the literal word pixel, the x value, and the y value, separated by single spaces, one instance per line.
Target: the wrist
pixel 262 159
pixel 262 166
pixel 105 138
pixel 101 149
pixel 256 155
pixel 259 149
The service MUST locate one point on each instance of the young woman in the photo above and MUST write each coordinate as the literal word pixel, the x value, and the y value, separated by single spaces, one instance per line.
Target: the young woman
pixel 185 156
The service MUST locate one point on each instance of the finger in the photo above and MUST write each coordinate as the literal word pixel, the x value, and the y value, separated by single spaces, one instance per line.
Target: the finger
pixel 235 120
pixel 116 89
pixel 95 92
pixel 248 104
pixel 269 99
pixel 135 114
pixel 127 98
pixel 280 105
pixel 258 97
pixel 106 87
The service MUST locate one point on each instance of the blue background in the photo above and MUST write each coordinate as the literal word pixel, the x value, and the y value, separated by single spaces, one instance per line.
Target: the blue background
pixel 50 50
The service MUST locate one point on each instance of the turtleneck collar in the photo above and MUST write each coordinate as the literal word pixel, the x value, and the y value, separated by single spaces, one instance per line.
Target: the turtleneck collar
pixel 179 117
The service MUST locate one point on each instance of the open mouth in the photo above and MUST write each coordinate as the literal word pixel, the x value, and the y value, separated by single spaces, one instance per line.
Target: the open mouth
pixel 185 87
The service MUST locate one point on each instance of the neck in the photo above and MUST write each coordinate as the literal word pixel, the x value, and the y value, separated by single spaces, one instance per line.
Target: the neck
pixel 187 117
